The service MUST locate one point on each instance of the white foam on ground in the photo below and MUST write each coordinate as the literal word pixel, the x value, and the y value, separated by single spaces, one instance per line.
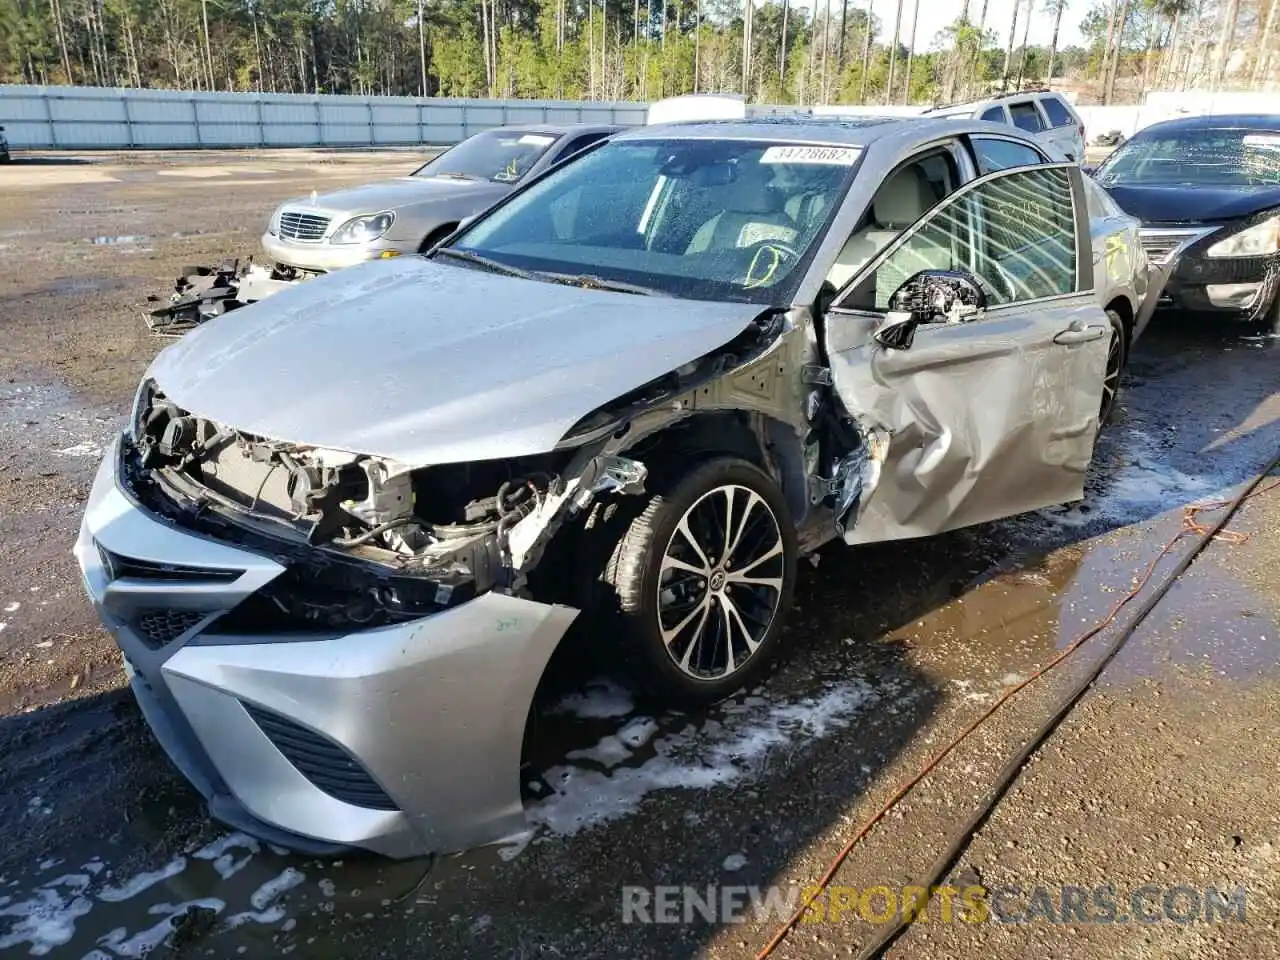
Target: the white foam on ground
pixel 121 944
pixel 265 894
pixel 600 700
pixel 143 881
pixel 219 851
pixel 47 919
pixel 719 753
pixel 1143 483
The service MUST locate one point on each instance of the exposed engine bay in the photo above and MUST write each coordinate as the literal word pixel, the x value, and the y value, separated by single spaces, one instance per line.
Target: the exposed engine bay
pixel 427 523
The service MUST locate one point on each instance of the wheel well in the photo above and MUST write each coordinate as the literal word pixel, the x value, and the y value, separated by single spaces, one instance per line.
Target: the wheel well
pixel 763 441
pixel 1122 307
pixel 436 235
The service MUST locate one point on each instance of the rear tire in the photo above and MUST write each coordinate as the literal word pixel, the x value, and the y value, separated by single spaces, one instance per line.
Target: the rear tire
pixel 1117 360
pixel 695 625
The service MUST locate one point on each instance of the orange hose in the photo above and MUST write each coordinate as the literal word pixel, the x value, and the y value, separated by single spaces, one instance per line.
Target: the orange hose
pixel 1190 525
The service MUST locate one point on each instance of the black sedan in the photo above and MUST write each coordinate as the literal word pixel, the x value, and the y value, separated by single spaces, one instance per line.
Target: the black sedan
pixel 1207 190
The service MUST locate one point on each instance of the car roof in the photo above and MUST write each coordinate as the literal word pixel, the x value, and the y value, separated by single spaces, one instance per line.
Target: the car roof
pixel 994 99
pixel 560 129
pixel 853 131
pixel 898 134
pixel 1239 121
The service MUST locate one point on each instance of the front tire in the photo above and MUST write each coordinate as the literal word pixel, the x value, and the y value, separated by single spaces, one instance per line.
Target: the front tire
pixel 698 584
pixel 435 236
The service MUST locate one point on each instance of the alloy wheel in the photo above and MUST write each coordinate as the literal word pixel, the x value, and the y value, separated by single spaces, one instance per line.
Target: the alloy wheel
pixel 1111 379
pixel 720 583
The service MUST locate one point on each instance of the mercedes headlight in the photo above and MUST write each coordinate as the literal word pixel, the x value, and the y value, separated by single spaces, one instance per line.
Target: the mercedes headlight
pixel 273 225
pixel 364 229
pixel 1256 241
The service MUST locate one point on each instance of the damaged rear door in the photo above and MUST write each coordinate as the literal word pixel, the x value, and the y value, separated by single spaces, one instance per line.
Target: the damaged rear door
pixel 990 411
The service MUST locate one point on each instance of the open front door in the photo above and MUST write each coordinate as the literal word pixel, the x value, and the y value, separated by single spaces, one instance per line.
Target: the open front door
pixel 991 413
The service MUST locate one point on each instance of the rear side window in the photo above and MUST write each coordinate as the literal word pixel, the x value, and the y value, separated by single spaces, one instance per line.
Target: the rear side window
pixel 1057 112
pixel 994 115
pixel 579 143
pixel 1026 116
pixel 995 154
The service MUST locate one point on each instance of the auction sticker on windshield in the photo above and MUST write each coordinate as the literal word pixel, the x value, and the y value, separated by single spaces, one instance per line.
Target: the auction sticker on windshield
pixel 1269 140
pixel 536 139
pixel 830 156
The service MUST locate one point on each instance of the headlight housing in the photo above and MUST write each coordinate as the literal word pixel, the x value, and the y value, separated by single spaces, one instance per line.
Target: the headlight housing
pixel 1255 241
pixel 273 225
pixel 364 228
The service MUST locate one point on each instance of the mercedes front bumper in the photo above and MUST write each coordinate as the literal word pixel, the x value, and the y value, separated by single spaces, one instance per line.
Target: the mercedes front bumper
pixel 323 257
pixel 403 740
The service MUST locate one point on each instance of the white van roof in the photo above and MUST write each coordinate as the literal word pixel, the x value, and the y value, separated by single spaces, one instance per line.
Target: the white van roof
pixel 697 106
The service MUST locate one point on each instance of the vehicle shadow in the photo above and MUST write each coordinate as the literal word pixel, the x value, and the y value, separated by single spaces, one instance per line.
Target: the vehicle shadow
pixel 47 160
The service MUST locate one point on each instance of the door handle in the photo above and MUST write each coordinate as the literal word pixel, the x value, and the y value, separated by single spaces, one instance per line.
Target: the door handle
pixel 1082 334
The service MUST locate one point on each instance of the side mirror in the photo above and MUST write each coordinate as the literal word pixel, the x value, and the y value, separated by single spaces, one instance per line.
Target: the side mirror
pixel 930 296
pixel 940 296
pixel 898 331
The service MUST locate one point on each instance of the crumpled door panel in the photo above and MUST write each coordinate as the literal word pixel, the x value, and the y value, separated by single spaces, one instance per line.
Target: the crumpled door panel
pixel 986 418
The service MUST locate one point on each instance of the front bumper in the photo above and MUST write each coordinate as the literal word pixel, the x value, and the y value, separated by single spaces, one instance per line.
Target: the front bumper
pixel 323 257
pixel 1232 288
pixel 403 740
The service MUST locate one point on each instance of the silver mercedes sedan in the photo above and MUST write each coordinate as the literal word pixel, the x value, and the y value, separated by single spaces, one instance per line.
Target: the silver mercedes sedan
pixel 410 214
pixel 348 526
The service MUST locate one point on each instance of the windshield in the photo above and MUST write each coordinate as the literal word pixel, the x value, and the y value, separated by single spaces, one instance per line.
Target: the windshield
pixel 1203 156
pixel 503 156
pixel 700 219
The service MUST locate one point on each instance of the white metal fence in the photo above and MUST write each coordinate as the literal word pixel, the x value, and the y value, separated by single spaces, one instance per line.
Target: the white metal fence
pixel 107 118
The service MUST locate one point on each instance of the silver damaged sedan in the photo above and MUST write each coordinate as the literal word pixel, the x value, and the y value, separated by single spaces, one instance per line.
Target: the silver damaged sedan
pixel 348 526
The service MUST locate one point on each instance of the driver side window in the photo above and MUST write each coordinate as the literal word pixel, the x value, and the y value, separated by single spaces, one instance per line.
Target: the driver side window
pixel 1015 233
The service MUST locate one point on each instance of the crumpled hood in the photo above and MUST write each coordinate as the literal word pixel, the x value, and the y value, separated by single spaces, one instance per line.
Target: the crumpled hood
pixel 1182 204
pixel 426 362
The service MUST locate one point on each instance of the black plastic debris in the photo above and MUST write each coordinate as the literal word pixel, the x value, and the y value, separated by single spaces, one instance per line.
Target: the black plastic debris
pixel 202 293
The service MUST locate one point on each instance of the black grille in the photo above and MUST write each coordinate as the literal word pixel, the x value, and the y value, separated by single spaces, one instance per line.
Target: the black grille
pixel 158 627
pixel 135 569
pixel 302 226
pixel 328 766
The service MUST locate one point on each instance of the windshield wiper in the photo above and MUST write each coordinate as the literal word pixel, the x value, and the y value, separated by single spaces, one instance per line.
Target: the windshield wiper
pixel 588 282
pixel 455 175
pixel 496 266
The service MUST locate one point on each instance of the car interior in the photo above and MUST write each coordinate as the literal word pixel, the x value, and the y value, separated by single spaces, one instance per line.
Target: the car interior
pixel 901 200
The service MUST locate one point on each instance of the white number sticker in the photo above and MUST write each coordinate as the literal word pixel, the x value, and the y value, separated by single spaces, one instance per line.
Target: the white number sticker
pixel 830 156
pixel 536 139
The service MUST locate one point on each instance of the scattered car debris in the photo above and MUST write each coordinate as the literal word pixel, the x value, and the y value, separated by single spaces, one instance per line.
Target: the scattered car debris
pixel 202 293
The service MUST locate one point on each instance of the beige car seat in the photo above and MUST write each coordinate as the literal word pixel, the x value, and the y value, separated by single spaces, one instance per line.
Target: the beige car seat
pixel 753 212
pixel 900 202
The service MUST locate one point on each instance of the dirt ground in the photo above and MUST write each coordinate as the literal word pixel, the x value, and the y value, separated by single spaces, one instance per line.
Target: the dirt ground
pixel 1165 775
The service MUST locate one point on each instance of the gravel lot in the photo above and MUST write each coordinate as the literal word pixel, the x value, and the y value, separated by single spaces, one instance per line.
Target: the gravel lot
pixel 1165 775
